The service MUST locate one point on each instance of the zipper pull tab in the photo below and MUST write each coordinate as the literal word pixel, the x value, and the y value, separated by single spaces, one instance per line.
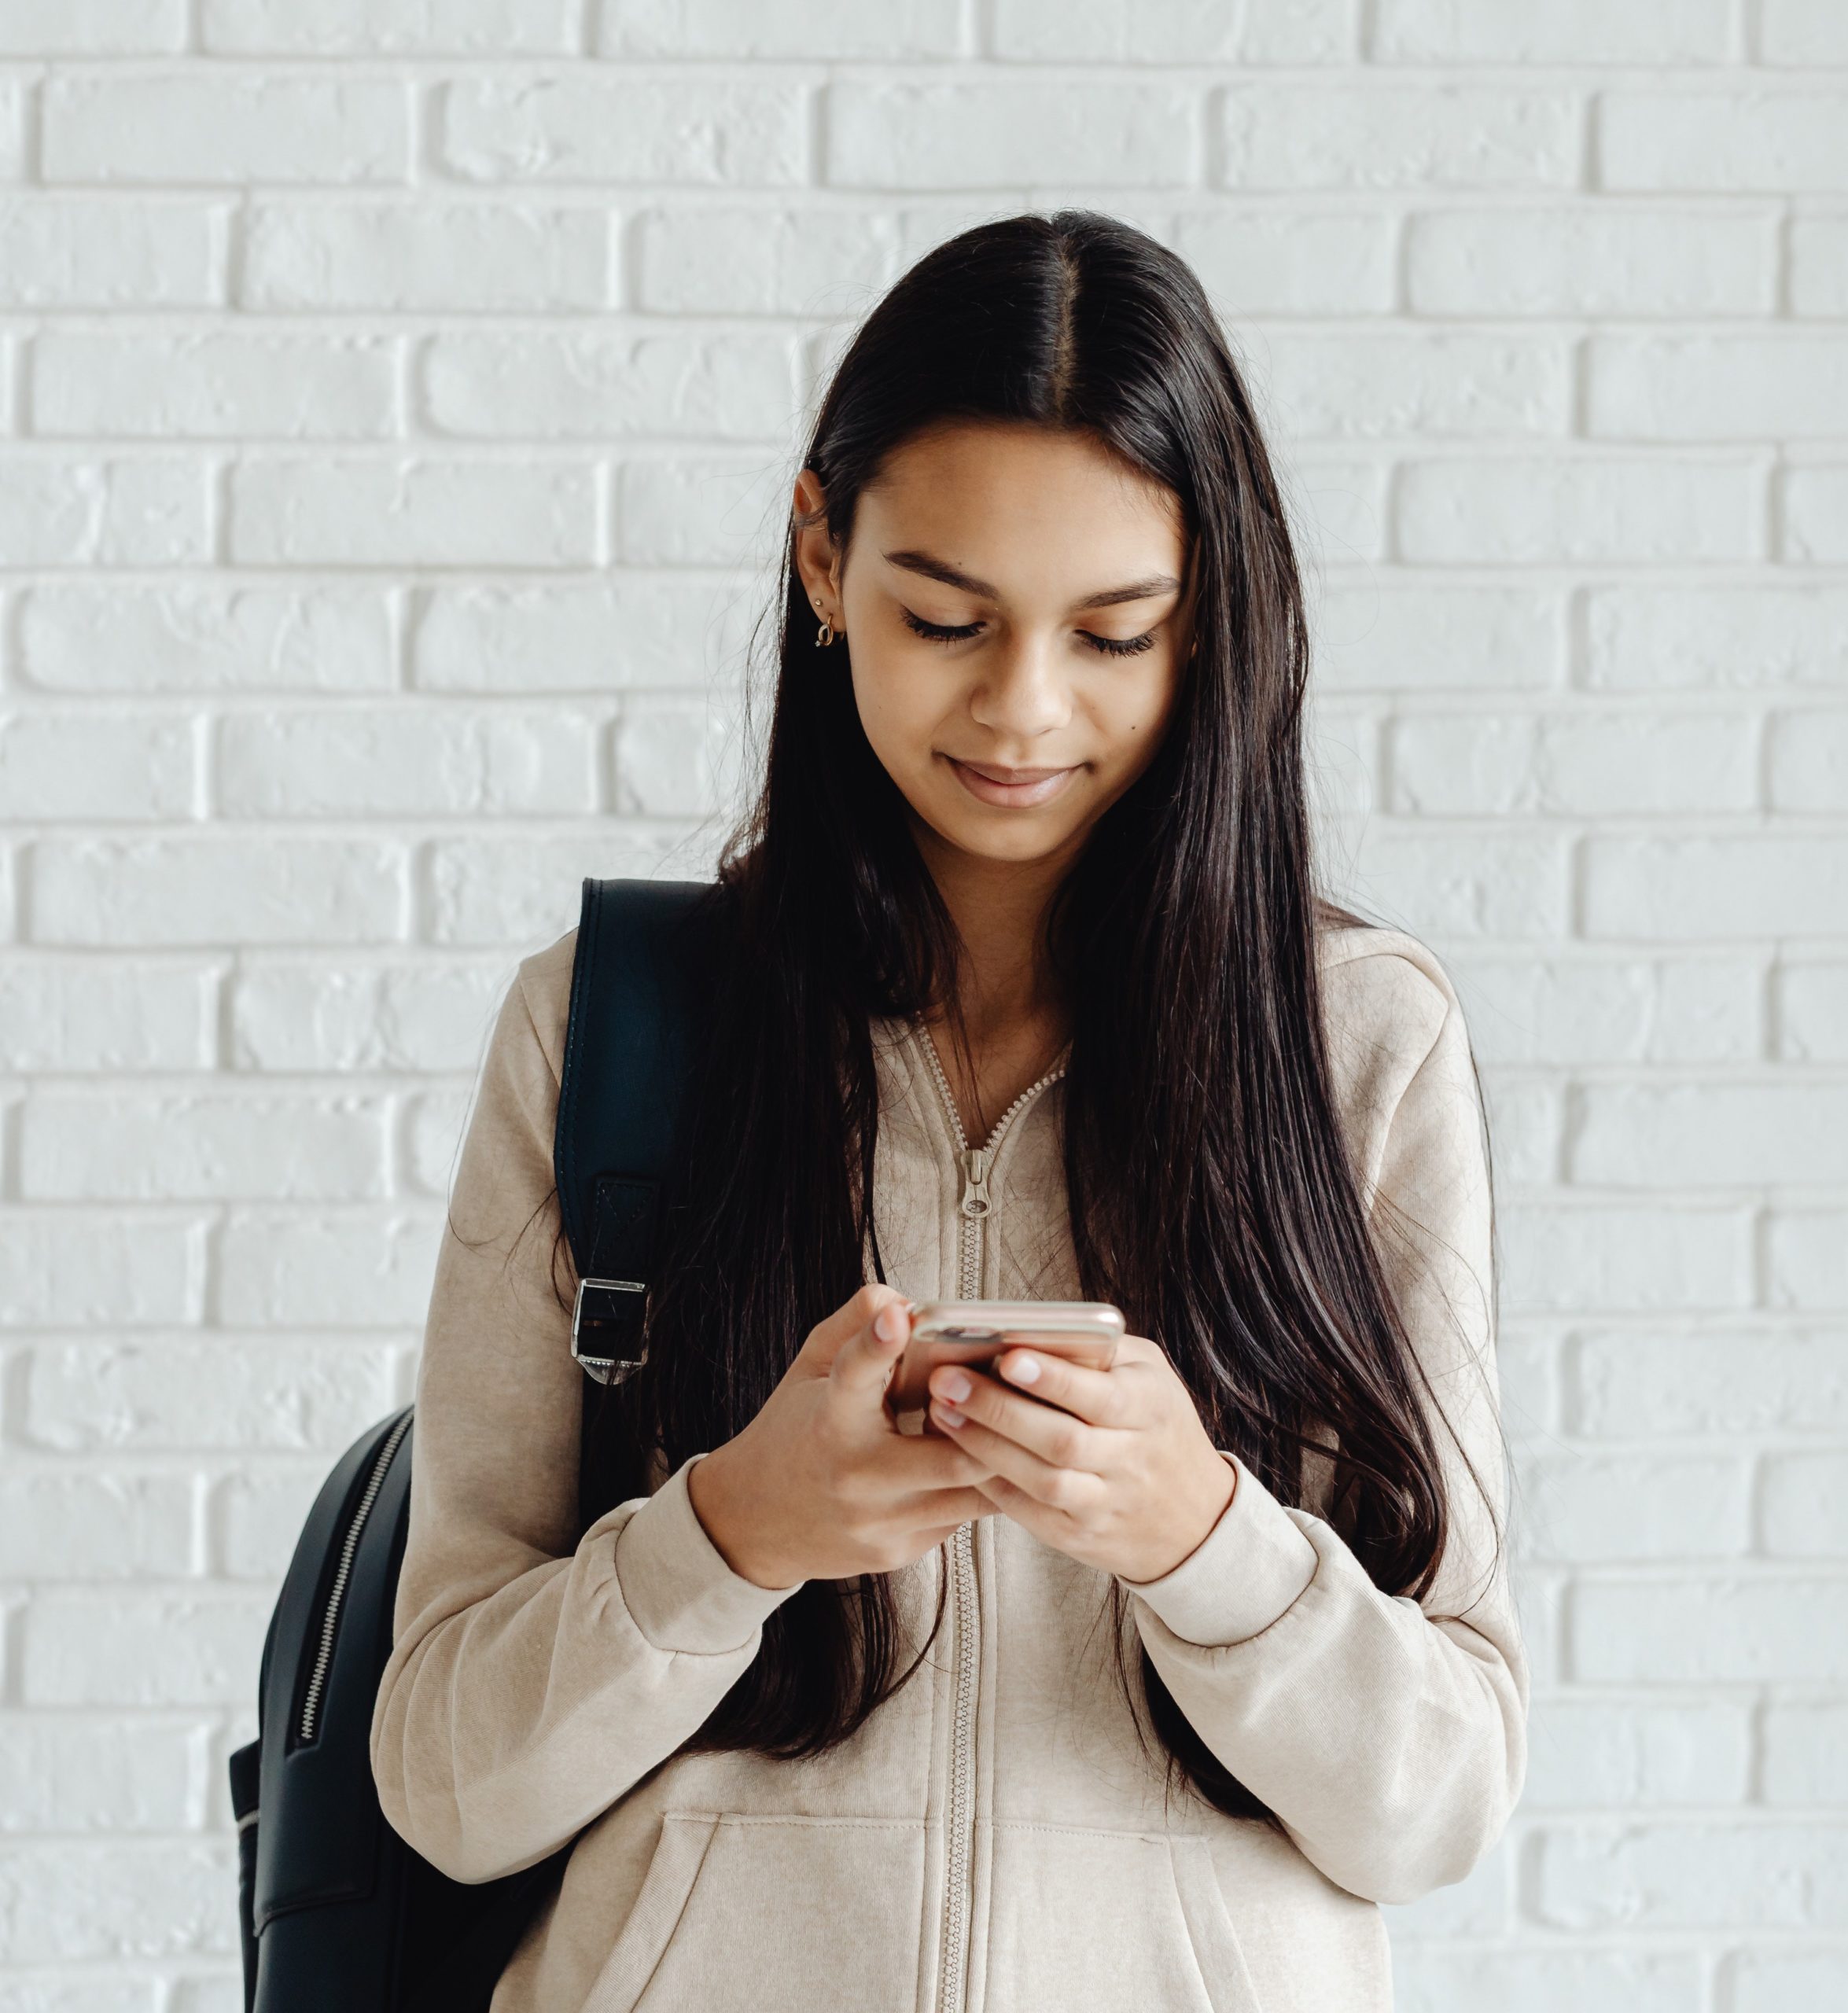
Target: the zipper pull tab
pixel 975 1182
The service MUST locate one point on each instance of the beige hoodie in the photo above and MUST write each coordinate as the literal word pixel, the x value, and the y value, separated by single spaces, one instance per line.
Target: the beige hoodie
pixel 993 1840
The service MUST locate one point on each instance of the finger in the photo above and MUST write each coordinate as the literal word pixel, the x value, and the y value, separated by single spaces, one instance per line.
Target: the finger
pixel 949 1506
pixel 915 1464
pixel 1057 1436
pixel 829 1335
pixel 1073 1490
pixel 864 1363
pixel 1100 1397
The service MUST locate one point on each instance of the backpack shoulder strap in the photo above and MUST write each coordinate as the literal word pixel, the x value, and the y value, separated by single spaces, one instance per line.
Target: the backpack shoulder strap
pixel 642 970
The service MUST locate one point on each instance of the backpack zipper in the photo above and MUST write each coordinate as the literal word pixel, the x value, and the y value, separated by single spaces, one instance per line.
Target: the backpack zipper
pixel 336 1593
pixel 973 1207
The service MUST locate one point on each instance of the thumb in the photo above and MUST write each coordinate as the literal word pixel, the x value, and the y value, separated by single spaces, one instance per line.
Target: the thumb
pixel 865 1362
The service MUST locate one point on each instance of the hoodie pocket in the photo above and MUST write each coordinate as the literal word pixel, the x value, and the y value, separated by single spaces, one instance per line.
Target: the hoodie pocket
pixel 1115 1922
pixel 736 1914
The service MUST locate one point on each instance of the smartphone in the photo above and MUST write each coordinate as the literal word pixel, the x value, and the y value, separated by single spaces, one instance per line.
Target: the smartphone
pixel 974 1332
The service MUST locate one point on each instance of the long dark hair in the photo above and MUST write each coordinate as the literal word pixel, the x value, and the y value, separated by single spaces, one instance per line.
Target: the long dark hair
pixel 1211 1192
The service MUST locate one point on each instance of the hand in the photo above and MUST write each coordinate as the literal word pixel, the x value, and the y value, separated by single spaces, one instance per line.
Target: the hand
pixel 822 1485
pixel 1112 1467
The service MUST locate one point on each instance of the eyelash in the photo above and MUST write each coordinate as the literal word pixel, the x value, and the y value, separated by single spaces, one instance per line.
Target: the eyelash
pixel 939 632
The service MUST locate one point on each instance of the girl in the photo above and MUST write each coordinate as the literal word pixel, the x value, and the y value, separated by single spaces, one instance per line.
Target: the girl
pixel 1135 1688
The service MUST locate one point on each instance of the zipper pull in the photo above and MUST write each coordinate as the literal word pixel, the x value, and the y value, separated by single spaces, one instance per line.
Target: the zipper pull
pixel 975 1182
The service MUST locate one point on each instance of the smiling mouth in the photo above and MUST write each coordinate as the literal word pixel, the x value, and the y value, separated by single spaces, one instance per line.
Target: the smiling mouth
pixel 996 775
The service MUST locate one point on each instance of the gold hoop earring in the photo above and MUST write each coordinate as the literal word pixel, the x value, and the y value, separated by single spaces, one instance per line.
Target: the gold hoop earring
pixel 825 635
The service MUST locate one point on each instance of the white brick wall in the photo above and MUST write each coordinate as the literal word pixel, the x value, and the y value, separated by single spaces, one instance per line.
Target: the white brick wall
pixel 397 396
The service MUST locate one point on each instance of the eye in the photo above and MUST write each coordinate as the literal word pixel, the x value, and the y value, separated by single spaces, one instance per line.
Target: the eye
pixel 944 632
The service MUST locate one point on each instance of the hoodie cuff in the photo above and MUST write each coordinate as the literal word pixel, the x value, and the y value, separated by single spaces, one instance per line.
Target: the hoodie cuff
pixel 675 1584
pixel 1246 1572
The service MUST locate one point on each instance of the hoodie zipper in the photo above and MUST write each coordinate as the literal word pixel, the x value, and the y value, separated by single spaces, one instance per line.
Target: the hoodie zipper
pixel 973 1207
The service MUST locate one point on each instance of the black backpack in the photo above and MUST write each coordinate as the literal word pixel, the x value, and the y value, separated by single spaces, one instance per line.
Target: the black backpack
pixel 336 1909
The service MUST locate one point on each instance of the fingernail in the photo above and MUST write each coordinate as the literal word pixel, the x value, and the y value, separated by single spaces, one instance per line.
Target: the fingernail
pixel 954 1385
pixel 949 1414
pixel 886 1323
pixel 1024 1369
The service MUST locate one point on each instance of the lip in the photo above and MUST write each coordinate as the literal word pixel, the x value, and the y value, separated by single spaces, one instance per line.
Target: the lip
pixel 1017 788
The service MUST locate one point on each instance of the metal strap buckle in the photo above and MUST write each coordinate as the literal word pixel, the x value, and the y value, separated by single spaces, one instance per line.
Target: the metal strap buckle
pixel 600 1311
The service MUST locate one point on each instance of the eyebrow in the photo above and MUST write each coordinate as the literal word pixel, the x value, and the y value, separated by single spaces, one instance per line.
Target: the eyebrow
pixel 937 569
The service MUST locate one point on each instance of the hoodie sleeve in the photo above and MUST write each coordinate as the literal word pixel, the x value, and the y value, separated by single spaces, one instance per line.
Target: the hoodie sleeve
pixel 532 1682
pixel 1389 1736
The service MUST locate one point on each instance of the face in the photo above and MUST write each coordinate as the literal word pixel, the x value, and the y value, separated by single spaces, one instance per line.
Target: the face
pixel 1012 603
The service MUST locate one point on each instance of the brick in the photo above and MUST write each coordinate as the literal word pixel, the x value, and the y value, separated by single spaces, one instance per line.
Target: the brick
pixel 220 890
pixel 1802 32
pixel 1183 32
pixel 1380 135
pixel 406 762
pixel 327 1269
pixel 433 1136
pixel 111 252
pixel 1707 1877
pixel 1780 141
pixel 1716 387
pixel 1536 1011
pixel 698 509
pixel 1770 1980
pixel 1812 1013
pixel 591 387
pixel 1584 511
pixel 835 31
pixel 1724 1385
pixel 1817 252
pixel 1426 386
pixel 624 631
pixel 1375 639
pixel 1644 1135
pixel 200 1146
pixel 1301 263
pixel 1623 1258
pixel 1805 1752
pixel 12 127
pixel 1760 637
pixel 1743 885
pixel 363 1017
pixel 1808 766
pixel 394 258
pixel 510 891
pixel 227 1394
pixel 1525 1125
pixel 74 1269
pixel 1573 31
pixel 1342 513
pixel 1486 887
pixel 673 758
pixel 1571 765
pixel 1717 1629
pixel 120 1017
pixel 1640 1753
pixel 1805 1505
pixel 961 135
pixel 1814 506
pixel 413 513
pixel 202 636
pixel 58 509
pixel 139 1899
pixel 257 1519
pixel 1430 1978
pixel 1806 1253
pixel 1632 262
pixel 589 128
pixel 57 1526
pixel 99 27
pixel 232 129
pixel 717 261
pixel 148 1646
pixel 95 1773
pixel 60 765
pixel 388 28
pixel 215 387
pixel 1585 1508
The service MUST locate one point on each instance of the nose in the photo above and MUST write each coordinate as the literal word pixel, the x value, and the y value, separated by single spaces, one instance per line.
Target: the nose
pixel 1021 696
